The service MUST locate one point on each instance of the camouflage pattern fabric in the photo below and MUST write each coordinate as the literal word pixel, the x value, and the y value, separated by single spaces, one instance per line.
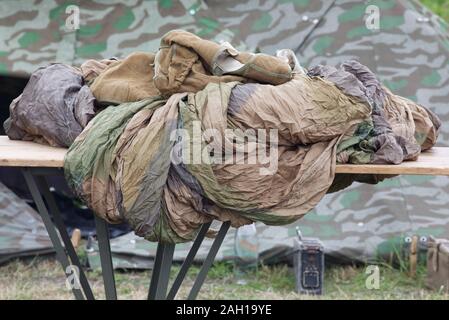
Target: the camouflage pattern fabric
pixel 118 28
pixel 22 232
pixel 130 251
pixel 122 164
pixel 409 53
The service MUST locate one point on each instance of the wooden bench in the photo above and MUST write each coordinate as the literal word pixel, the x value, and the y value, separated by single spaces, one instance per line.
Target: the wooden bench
pixel 36 161
pixel 30 154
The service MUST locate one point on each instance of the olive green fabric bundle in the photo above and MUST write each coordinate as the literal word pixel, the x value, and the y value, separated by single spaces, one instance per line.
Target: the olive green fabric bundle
pixel 122 165
pixel 161 164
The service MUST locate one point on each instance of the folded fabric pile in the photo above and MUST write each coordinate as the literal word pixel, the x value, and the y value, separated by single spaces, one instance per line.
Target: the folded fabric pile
pixel 53 109
pixel 199 131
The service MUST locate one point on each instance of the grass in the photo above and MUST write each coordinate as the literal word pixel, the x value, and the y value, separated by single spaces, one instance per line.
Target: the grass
pixel 440 7
pixel 42 278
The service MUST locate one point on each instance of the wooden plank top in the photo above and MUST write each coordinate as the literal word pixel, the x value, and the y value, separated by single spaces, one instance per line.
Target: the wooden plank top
pixel 15 153
pixel 30 154
pixel 431 162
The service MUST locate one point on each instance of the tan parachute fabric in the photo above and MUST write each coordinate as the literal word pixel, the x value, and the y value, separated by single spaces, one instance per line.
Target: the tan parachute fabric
pixel 184 63
pixel 392 137
pixel 187 63
pixel 138 162
pixel 92 68
pixel 122 164
pixel 128 80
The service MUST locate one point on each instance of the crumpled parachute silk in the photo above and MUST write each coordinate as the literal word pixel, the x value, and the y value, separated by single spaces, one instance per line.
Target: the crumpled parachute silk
pixel 200 131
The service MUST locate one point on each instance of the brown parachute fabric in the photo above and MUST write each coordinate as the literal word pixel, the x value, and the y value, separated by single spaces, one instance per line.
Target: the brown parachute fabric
pixel 157 159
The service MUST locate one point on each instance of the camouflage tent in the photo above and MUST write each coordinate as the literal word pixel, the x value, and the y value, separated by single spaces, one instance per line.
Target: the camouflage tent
pixel 22 232
pixel 409 51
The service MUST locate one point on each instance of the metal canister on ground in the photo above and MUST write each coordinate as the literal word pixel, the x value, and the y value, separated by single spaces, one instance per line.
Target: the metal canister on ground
pixel 309 265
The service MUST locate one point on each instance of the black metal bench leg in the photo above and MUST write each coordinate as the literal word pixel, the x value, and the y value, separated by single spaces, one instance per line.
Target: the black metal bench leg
pixel 57 219
pixel 188 261
pixel 53 234
pixel 107 269
pixel 161 271
pixel 209 260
